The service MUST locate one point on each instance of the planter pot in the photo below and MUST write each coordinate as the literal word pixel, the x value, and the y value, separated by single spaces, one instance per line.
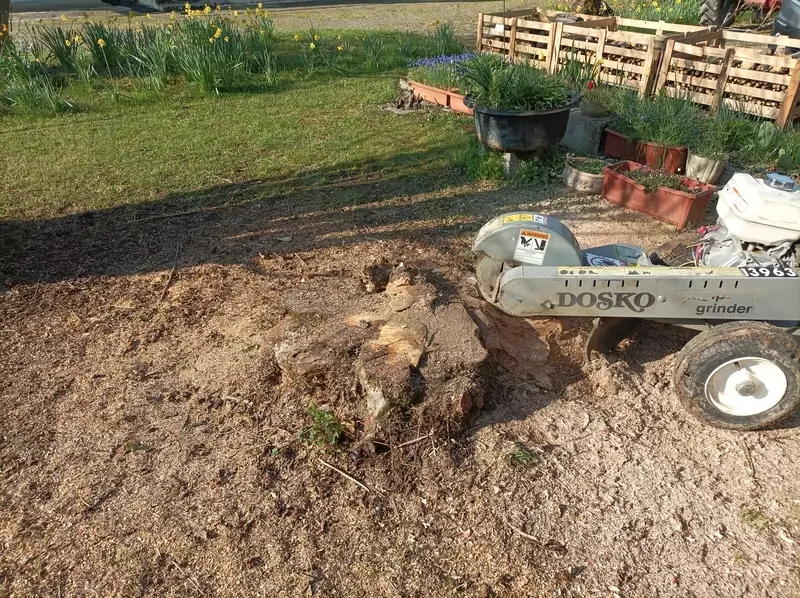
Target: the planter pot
pixel 593 109
pixel 654 155
pixel 705 170
pixel 518 131
pixel 582 182
pixel 440 97
pixel 669 205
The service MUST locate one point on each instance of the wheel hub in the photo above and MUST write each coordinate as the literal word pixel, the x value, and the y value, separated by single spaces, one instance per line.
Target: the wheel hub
pixel 746 386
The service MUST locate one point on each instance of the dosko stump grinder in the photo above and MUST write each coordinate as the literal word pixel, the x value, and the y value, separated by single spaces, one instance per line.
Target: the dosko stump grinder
pixel 737 283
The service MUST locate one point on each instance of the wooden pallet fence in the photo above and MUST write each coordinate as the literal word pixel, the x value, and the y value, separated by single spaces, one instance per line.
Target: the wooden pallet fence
pixel 735 70
pixel 629 49
pixel 516 38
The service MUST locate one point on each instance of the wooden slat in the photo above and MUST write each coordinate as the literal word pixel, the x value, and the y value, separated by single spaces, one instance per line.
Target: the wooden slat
pixel 689 50
pixel 634 38
pixel 693 81
pixel 695 65
pixel 648 71
pixel 524 24
pixel 480 32
pixel 790 102
pixel 755 92
pixel 551 44
pixel 532 50
pixel 581 26
pixel 528 37
pixel 761 76
pixel 601 43
pixel 697 98
pixel 666 59
pixel 556 45
pixel 493 20
pixel 639 54
pixel 754 38
pixel 722 80
pixel 493 43
pixel 751 108
pixel 779 61
pixel 621 22
pixel 513 39
pixel 606 64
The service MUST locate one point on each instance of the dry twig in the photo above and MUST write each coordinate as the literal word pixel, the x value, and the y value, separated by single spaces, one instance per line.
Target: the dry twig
pixel 344 475
pixel 171 272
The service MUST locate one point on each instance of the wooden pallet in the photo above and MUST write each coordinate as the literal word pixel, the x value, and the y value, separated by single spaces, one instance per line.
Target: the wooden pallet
pixel 630 49
pixel 735 70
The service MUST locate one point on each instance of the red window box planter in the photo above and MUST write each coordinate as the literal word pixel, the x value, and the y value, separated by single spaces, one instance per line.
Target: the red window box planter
pixel 669 205
pixel 440 97
pixel 654 155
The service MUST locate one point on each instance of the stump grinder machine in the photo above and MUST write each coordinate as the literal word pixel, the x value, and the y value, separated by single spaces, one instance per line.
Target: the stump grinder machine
pixel 737 283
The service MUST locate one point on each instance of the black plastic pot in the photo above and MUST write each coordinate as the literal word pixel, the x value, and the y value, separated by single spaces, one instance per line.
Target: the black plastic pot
pixel 519 131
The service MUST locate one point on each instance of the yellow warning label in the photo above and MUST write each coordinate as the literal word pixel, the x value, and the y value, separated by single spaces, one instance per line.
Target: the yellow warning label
pixel 518 218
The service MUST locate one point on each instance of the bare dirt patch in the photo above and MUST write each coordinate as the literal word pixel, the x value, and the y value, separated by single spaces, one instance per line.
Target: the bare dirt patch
pixel 152 447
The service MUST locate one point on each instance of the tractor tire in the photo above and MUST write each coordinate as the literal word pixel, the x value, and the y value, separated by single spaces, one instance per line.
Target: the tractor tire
pixel 717 13
pixel 739 375
pixel 676 252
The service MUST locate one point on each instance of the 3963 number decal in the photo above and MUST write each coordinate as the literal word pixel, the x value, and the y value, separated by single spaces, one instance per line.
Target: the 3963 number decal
pixel 768 272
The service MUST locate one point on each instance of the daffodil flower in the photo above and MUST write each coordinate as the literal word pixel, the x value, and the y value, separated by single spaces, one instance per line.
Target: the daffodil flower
pixel 218 33
pixel 172 15
pixel 63 18
pixel 316 37
pixel 211 40
pixel 206 10
pixel 235 13
pixel 312 45
pixel 227 39
pixel 340 48
pixel 67 43
pixel 297 37
pixel 101 42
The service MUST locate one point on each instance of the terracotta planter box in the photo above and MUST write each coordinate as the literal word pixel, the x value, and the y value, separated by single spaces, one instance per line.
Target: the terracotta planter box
pixel 440 97
pixel 654 155
pixel 669 205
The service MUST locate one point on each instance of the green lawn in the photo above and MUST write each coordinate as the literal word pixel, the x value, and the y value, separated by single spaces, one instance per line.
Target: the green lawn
pixel 139 153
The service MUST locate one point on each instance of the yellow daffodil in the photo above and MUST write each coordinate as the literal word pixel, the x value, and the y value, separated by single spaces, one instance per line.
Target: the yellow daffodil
pixel 218 33
pixel 260 6
pixel 206 10
pixel 67 43
pixel 235 13
pixel 101 42
pixel 297 37
pixel 339 37
pixel 211 40
pixel 227 39
pixel 147 15
pixel 172 15
pixel 316 37
pixel 63 18
pixel 340 48
pixel 217 8
pixel 187 7
pixel 78 40
pixel 312 45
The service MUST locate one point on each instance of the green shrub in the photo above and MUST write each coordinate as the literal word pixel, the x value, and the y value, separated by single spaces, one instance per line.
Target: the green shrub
pixel 662 119
pixel 497 84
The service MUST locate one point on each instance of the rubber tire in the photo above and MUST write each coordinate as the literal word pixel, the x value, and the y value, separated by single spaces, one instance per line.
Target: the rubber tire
pixel 710 349
pixel 717 13
pixel 678 251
